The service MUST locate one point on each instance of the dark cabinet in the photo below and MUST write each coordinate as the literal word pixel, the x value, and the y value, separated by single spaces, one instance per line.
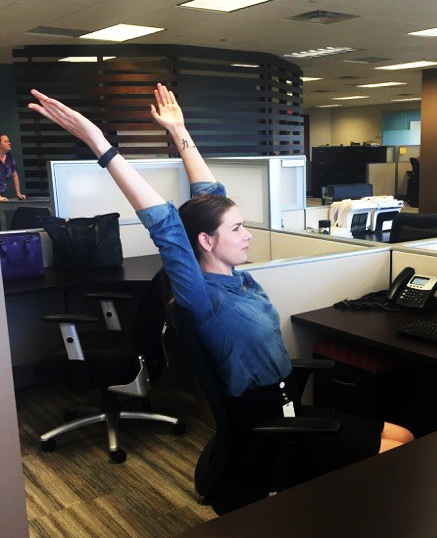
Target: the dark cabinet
pixel 343 164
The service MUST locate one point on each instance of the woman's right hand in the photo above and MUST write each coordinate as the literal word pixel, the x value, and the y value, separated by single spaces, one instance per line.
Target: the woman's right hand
pixel 169 113
pixel 71 121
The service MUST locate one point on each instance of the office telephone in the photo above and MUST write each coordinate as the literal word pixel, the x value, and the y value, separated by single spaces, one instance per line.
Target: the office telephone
pixel 409 289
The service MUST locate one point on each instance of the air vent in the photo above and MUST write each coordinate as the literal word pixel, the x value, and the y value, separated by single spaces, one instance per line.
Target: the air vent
pixel 322 17
pixel 55 32
pixel 348 77
pixel 368 60
pixel 323 91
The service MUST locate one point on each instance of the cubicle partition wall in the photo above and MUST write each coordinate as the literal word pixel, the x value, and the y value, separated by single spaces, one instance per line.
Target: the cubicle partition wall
pixel 266 188
pixel 307 283
pixel 12 507
pixel 421 255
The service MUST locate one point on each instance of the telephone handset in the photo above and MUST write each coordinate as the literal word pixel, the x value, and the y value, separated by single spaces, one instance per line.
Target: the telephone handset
pixel 409 289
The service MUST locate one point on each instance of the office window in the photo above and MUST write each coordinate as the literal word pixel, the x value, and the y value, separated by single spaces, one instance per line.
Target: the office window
pixel 401 128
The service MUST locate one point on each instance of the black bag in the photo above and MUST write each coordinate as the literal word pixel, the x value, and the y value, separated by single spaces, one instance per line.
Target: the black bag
pixel 85 243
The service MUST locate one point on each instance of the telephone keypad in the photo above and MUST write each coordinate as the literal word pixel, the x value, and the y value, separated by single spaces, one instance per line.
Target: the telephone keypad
pixel 413 297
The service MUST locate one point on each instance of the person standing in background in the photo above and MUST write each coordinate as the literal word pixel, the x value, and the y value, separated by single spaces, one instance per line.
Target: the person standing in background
pixel 8 169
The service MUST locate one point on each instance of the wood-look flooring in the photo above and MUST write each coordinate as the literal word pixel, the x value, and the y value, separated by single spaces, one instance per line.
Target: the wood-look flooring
pixel 76 492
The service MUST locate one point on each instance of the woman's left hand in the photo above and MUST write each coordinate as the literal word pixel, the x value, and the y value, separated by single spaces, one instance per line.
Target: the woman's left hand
pixel 169 113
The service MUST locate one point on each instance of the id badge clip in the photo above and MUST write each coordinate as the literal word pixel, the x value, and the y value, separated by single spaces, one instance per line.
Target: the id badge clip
pixel 288 407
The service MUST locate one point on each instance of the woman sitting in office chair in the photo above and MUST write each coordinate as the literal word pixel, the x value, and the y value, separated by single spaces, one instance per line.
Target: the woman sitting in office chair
pixel 233 316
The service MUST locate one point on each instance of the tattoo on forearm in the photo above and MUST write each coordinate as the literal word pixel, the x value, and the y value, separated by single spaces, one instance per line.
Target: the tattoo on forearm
pixel 184 144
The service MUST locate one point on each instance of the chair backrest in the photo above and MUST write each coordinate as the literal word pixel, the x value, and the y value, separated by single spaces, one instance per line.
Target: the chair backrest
pixel 148 324
pixel 28 217
pixel 215 455
pixel 413 226
pixel 415 165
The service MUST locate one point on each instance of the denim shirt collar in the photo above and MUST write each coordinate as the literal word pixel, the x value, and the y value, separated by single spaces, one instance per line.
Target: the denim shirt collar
pixel 234 282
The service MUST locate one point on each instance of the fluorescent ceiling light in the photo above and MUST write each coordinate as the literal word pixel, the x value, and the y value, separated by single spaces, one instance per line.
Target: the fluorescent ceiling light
pixel 431 32
pixel 121 32
pixel 310 79
pixel 407 99
pixel 350 97
pixel 380 84
pixel 410 65
pixel 317 53
pixel 84 58
pixel 328 106
pixel 225 6
pixel 245 65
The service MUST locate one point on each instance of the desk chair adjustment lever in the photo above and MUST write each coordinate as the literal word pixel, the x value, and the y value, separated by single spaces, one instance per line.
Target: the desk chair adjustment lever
pixel 139 387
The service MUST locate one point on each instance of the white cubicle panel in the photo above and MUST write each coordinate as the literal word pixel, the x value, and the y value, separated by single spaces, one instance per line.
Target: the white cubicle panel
pixel 12 505
pixel 84 189
pixel 416 255
pixel 304 284
pixel 287 245
pixel 247 184
pixel 383 178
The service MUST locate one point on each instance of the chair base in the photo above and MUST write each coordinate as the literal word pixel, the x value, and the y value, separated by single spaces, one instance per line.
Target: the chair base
pixel 48 440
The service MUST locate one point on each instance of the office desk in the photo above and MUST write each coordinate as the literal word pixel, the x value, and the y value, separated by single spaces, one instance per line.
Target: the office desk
pixel 27 300
pixel 393 495
pixel 133 269
pixel 13 204
pixel 375 328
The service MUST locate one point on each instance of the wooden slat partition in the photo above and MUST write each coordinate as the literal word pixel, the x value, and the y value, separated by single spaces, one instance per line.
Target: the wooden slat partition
pixel 230 110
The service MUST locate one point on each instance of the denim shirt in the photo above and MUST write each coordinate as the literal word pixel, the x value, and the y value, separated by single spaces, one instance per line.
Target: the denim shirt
pixel 233 317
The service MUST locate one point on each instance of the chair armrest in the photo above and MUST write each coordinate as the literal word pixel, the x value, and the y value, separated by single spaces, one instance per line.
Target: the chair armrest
pixel 313 364
pixel 109 311
pixel 70 318
pixel 108 295
pixel 296 426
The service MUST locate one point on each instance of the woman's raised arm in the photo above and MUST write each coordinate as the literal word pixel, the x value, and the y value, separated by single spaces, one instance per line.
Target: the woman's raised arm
pixel 139 193
pixel 169 115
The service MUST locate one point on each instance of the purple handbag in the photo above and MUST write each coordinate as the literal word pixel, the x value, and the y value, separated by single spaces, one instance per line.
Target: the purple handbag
pixel 21 255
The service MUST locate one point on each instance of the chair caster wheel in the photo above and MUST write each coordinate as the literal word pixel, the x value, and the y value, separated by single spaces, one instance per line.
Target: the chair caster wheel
pixel 70 414
pixel 179 428
pixel 49 445
pixel 118 456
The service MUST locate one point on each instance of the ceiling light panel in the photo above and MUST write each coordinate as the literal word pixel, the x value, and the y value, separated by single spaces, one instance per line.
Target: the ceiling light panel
pixel 328 106
pixel 225 6
pixel 84 59
pixel 347 98
pixel 310 79
pixel 431 32
pixel 381 84
pixel 407 99
pixel 318 53
pixel 121 32
pixel 410 65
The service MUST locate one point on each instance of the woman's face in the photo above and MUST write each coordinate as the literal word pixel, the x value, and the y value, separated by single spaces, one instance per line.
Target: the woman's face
pixel 231 240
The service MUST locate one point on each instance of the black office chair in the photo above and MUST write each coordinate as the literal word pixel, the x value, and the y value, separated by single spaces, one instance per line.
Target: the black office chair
pixel 25 218
pixel 413 226
pixel 228 474
pixel 413 183
pixel 114 361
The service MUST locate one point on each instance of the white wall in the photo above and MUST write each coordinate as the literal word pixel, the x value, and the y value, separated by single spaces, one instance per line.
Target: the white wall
pixel 345 124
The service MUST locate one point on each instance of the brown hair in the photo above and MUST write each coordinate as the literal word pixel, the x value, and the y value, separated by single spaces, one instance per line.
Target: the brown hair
pixel 203 213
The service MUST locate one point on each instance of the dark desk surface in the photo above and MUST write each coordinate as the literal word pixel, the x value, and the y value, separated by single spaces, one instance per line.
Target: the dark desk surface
pixel 382 237
pixel 393 495
pixel 374 327
pixel 138 268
